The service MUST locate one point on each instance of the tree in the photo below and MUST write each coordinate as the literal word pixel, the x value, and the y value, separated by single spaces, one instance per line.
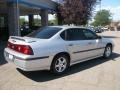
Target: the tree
pixel 75 11
pixel 22 20
pixel 37 22
pixel 102 18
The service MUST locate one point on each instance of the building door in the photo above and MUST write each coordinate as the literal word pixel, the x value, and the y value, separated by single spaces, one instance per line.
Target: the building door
pixel 4 33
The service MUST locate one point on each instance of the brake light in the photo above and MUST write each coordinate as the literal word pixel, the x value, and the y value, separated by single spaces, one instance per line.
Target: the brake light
pixel 25 49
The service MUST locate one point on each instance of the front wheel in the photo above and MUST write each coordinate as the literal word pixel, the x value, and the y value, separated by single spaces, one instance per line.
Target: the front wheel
pixel 60 64
pixel 108 51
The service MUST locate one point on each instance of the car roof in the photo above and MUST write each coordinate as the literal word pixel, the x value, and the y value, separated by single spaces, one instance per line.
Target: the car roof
pixel 66 27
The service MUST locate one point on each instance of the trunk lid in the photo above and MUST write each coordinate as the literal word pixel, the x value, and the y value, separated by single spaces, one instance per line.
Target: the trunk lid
pixel 25 45
pixel 24 40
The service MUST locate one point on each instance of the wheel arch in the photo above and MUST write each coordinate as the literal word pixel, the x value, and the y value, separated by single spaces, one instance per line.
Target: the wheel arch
pixel 110 45
pixel 62 53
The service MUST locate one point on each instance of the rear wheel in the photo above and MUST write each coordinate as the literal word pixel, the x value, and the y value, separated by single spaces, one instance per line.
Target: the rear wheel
pixel 60 64
pixel 108 51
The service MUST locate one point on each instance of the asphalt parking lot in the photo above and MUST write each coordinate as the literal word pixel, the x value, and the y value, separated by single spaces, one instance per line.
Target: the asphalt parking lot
pixel 97 74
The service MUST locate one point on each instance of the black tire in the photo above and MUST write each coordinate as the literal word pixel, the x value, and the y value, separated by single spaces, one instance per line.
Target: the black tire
pixel 54 64
pixel 108 51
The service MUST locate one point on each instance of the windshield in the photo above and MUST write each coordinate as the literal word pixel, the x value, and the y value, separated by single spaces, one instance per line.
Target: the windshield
pixel 44 33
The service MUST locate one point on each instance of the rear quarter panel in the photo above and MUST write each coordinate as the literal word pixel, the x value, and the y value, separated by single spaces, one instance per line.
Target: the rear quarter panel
pixel 48 48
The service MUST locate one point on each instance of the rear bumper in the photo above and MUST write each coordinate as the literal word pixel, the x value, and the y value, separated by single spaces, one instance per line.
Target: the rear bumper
pixel 35 64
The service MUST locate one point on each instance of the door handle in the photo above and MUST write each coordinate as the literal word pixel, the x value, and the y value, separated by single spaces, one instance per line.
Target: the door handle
pixel 90 43
pixel 70 44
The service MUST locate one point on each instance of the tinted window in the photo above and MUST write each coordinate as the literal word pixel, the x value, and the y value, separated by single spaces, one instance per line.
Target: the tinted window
pixel 45 33
pixel 89 34
pixel 73 34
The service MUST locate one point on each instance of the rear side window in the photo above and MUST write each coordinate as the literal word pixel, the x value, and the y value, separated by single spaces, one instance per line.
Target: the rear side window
pixel 45 33
pixel 89 34
pixel 73 34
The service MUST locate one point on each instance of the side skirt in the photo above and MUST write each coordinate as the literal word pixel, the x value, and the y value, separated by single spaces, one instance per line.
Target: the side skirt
pixel 86 59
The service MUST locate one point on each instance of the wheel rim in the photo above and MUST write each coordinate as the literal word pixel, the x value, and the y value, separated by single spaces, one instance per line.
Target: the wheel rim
pixel 61 64
pixel 108 51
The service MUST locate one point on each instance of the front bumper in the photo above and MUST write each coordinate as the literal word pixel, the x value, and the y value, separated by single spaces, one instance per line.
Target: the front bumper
pixel 22 62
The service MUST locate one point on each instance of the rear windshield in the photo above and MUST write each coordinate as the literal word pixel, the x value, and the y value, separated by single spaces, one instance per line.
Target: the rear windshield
pixel 44 33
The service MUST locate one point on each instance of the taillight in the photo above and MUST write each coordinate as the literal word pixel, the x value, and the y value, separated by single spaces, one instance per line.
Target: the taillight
pixel 8 44
pixel 25 49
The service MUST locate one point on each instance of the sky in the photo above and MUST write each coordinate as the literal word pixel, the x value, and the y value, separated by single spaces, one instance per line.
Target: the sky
pixel 113 6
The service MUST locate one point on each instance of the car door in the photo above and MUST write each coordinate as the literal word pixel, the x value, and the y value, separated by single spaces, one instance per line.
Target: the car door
pixel 95 45
pixel 76 44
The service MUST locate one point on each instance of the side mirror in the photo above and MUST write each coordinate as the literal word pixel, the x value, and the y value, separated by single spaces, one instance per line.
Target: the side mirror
pixel 99 37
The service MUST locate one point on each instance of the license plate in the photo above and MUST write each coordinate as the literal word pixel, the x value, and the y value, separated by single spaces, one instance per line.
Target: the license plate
pixel 10 57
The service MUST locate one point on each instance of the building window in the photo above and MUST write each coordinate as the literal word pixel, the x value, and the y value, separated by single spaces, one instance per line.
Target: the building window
pixel 2 22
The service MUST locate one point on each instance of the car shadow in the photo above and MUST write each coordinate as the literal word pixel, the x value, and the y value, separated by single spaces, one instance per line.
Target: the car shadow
pixel 43 76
